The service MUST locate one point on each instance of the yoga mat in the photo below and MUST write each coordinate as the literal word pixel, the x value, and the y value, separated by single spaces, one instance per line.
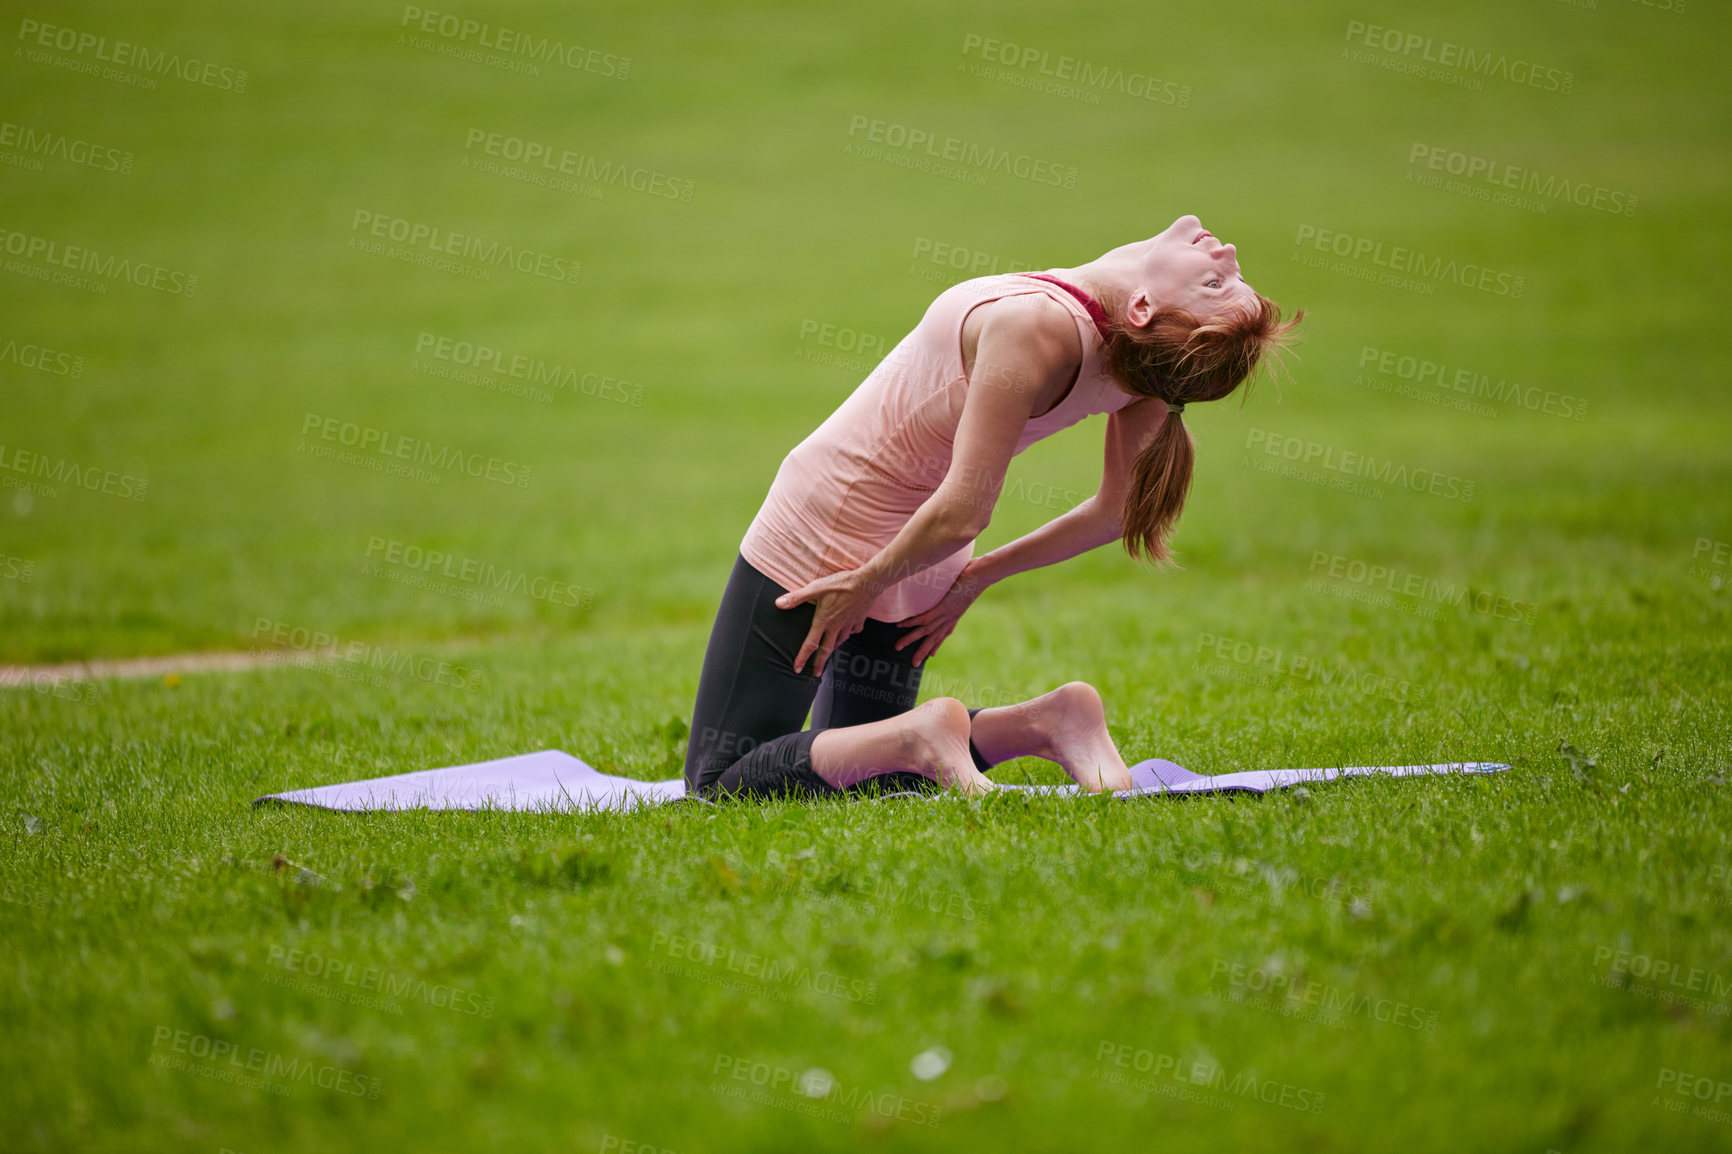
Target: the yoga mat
pixel 551 779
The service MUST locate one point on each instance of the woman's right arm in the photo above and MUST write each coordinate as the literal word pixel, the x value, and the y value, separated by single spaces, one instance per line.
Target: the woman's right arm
pixel 1026 343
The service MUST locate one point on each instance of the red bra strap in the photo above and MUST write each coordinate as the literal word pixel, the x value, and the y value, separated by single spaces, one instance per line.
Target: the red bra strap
pixel 1095 311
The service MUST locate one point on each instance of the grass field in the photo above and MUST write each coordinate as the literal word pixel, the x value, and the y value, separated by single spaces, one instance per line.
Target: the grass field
pixel 1506 224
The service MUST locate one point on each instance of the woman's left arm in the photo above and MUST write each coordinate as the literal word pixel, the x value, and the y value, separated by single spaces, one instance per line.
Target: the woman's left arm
pixel 1094 522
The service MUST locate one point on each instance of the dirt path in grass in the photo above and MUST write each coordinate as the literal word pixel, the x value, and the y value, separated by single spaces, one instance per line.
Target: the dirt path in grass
pixel 26 676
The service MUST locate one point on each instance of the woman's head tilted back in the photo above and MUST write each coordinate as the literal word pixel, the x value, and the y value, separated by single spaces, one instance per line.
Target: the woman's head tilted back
pixel 1185 327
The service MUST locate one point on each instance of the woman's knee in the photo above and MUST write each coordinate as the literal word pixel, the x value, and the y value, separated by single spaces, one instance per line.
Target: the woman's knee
pixel 781 767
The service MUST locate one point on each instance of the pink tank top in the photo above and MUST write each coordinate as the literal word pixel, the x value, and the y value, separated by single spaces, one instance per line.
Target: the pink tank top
pixel 849 488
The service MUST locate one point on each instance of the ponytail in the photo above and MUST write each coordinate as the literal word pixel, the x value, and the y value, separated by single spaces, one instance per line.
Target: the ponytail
pixel 1178 359
pixel 1160 482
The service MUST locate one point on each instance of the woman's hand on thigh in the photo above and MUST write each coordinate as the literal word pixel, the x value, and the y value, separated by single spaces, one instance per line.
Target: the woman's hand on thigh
pixel 937 623
pixel 841 601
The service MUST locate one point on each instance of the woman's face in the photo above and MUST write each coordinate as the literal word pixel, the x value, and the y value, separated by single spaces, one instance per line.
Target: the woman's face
pixel 1185 267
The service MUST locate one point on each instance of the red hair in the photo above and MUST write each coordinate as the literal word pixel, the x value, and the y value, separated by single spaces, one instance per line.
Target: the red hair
pixel 1178 358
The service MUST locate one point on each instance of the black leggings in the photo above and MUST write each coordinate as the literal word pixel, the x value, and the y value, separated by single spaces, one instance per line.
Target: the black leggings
pixel 746 738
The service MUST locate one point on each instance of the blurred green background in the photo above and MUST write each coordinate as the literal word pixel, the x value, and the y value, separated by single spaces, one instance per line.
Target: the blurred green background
pixel 699 342
pixel 708 307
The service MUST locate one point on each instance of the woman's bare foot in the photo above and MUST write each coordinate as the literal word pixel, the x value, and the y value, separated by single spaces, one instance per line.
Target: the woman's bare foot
pixel 1068 725
pixel 931 739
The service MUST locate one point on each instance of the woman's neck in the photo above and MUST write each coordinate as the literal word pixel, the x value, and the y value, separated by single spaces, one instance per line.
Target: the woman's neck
pixel 1097 282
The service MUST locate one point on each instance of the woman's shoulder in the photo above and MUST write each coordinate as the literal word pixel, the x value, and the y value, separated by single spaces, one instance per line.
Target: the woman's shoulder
pixel 1032 317
pixel 1010 294
pixel 995 285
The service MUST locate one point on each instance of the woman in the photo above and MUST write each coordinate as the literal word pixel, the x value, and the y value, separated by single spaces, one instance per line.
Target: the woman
pixel 860 562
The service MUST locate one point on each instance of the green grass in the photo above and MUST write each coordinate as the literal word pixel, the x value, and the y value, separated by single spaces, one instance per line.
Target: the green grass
pixel 1038 941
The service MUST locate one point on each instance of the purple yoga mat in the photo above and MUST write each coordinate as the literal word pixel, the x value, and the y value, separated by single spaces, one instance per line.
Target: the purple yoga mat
pixel 553 780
